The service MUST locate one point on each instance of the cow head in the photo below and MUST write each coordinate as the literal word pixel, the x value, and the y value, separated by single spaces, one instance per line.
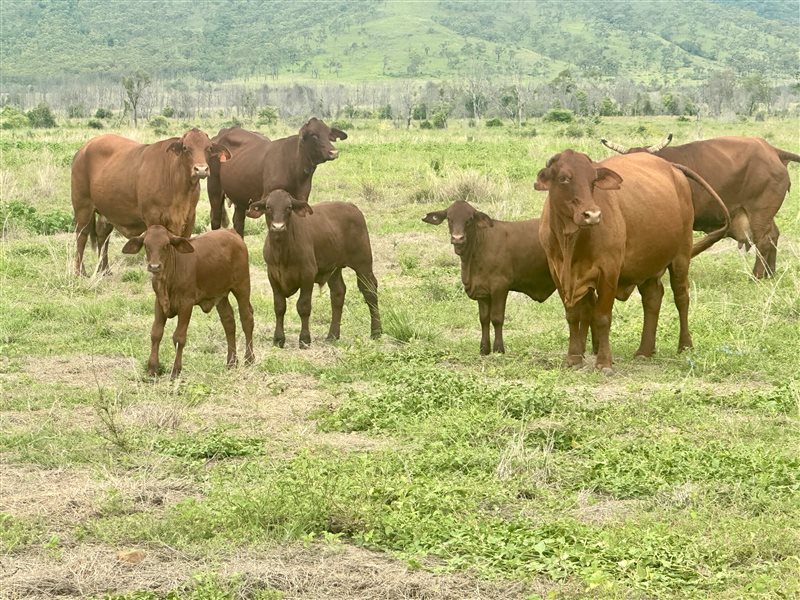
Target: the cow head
pixel 316 141
pixel 279 207
pixel 655 148
pixel 157 241
pixel 462 218
pixel 570 178
pixel 195 149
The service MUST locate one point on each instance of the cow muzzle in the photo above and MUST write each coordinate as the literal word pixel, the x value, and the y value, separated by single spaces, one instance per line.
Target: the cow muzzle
pixel 200 171
pixel 333 154
pixel 458 242
pixel 278 227
pixel 590 217
pixel 154 268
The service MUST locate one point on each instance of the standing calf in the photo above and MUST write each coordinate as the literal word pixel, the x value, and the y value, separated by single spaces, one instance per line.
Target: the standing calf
pixel 496 257
pixel 201 271
pixel 306 246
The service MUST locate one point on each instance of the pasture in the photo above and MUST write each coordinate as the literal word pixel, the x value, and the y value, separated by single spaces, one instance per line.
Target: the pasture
pixel 406 467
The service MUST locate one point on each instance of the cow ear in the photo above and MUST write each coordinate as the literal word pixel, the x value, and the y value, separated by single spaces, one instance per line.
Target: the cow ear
pixel 607 179
pixel 435 218
pixel 337 134
pixel 181 244
pixel 256 209
pixel 301 209
pixel 221 151
pixel 133 245
pixel 176 146
pixel 482 219
pixel 542 183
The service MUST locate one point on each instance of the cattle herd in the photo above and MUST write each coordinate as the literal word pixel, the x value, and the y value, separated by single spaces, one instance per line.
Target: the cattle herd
pixel 606 228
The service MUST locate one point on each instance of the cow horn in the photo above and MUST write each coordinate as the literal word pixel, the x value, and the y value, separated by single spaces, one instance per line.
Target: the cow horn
pixel 661 145
pixel 614 146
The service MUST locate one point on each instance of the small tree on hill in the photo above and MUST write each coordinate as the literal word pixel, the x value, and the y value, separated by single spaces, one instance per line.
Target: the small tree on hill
pixel 41 116
pixel 134 86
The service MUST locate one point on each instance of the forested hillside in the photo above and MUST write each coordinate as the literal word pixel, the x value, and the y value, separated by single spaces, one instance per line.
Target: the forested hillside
pixel 369 40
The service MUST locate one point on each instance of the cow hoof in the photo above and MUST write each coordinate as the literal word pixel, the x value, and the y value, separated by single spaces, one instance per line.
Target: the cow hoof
pixel 574 361
pixel 606 371
pixel 279 342
pixel 231 363
pixel 484 351
pixel 332 338
pixel 305 345
pixel 376 334
pixel 642 356
pixel 249 359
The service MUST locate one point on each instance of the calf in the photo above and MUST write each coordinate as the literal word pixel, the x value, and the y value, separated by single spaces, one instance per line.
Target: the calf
pixel 305 246
pixel 201 271
pixel 261 165
pixel 496 257
pixel 608 228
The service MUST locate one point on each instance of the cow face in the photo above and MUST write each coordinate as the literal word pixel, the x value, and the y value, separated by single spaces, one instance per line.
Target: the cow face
pixel 462 218
pixel 571 179
pixel 156 241
pixel 195 149
pixel 316 141
pixel 278 208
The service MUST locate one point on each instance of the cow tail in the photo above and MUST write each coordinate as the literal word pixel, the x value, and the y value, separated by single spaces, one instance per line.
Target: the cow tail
pixel 92 230
pixel 225 222
pixel 787 157
pixel 710 238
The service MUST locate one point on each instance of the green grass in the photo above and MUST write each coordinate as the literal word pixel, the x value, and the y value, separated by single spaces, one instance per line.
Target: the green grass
pixel 676 477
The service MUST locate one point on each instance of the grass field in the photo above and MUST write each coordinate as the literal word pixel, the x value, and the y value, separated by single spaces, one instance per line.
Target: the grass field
pixel 408 467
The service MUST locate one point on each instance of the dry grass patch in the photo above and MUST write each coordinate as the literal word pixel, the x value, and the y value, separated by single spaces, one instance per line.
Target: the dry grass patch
pixel 81 370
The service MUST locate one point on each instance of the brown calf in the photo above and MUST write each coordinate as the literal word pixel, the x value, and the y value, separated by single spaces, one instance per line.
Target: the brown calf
pixel 261 165
pixel 197 272
pixel 496 257
pixel 608 228
pixel 132 186
pixel 305 246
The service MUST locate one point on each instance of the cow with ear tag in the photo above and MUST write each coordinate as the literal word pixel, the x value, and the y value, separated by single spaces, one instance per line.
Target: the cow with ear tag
pixel 608 228
pixel 119 183
pixel 201 271
pixel 305 246
pixel 496 257
pixel 261 165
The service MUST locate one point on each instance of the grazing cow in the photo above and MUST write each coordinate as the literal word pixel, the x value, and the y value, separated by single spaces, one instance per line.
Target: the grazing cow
pixel 749 175
pixel 305 246
pixel 496 257
pixel 261 165
pixel 608 228
pixel 200 272
pixel 132 186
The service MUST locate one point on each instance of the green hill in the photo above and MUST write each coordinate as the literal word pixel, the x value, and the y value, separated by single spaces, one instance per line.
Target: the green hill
pixel 370 40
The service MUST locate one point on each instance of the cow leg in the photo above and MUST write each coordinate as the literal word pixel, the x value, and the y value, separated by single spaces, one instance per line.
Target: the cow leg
pixel 601 325
pixel 215 199
pixel 368 286
pixel 772 256
pixel 246 317
pixel 679 280
pixel 179 339
pixel 239 213
pixel 586 325
pixel 103 229
pixel 338 289
pixel 225 312
pixel 763 233
pixel 84 224
pixel 156 333
pixel 498 316
pixel 577 335
pixel 304 310
pixel 484 312
pixel 188 226
pixel 652 292
pixel 279 304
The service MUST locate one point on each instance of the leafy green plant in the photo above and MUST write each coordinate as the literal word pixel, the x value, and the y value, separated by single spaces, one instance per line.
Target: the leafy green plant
pixel 41 116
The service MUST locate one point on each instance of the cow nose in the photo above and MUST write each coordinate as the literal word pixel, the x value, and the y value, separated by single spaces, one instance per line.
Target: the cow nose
pixel 200 171
pixel 591 217
pixel 333 154
pixel 278 227
pixel 153 268
pixel 457 239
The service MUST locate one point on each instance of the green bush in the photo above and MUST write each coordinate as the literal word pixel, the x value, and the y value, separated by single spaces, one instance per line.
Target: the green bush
pixel 558 115
pixel 343 125
pixel 494 123
pixel 159 122
pixel 77 111
pixel 439 120
pixel 268 115
pixel 103 113
pixel 95 124
pixel 41 116
pixel 168 112
pixel 426 125
pixel 385 112
pixel 12 118
pixel 27 217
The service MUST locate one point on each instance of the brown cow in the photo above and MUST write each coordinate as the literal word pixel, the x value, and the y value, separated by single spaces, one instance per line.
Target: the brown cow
pixel 132 186
pixel 200 272
pixel 261 165
pixel 608 228
pixel 496 257
pixel 750 176
pixel 305 246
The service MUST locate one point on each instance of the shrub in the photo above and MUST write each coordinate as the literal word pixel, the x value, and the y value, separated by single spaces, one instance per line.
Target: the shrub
pixel 95 124
pixel 558 115
pixel 439 120
pixel 343 125
pixel 574 131
pixel 77 111
pixel 41 116
pixel 159 122
pixel 268 115
pixel 494 122
pixel 426 125
pixel 103 113
pixel 168 112
pixel 385 112
pixel 12 118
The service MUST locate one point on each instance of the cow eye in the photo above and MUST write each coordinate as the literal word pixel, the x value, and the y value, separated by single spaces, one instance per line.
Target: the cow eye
pixel 563 179
pixel 185 148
